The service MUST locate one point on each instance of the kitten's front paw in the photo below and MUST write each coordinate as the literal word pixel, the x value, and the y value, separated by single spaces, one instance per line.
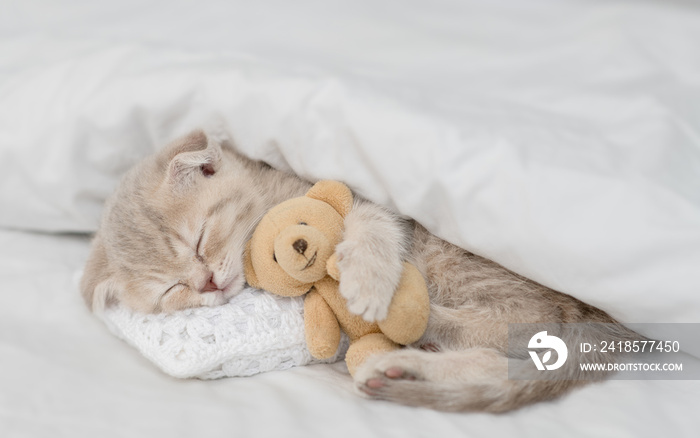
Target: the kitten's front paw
pixel 367 281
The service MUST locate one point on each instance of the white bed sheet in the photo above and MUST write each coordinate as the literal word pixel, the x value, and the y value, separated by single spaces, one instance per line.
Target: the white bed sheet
pixel 560 138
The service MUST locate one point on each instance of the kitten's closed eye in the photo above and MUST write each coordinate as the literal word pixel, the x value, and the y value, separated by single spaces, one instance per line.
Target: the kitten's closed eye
pixel 172 288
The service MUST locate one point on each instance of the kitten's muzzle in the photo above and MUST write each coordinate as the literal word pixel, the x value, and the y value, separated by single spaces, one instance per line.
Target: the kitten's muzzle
pixel 209 285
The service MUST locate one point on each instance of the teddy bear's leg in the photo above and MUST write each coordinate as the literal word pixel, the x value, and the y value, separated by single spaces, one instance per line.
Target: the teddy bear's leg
pixel 366 346
pixel 320 326
pixel 409 309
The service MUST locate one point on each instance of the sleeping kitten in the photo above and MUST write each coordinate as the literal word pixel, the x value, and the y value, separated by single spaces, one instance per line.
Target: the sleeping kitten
pixel 172 237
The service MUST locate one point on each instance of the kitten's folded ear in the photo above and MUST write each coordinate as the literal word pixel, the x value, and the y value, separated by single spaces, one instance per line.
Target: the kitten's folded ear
pixel 96 285
pixel 189 157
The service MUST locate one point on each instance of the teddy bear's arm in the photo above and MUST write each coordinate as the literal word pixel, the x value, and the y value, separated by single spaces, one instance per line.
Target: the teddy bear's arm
pixel 321 326
pixel 332 267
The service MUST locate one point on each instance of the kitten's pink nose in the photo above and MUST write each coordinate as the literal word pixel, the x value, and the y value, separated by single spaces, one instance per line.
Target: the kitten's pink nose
pixel 210 286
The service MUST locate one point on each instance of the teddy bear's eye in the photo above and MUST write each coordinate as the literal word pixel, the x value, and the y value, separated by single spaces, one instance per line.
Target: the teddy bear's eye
pixel 303 223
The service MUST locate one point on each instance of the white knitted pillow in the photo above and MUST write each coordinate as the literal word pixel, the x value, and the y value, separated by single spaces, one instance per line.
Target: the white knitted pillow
pixel 254 333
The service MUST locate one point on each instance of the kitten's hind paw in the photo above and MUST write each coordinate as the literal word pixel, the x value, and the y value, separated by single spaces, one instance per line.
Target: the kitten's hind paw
pixel 382 372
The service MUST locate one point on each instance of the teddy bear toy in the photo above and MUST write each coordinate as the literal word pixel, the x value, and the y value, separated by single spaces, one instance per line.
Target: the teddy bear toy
pixel 292 253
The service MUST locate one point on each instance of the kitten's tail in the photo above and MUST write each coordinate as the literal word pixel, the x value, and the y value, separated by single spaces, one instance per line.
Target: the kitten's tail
pixel 495 397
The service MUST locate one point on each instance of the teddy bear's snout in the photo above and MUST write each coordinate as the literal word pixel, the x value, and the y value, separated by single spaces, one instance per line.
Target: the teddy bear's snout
pixel 301 251
pixel 300 246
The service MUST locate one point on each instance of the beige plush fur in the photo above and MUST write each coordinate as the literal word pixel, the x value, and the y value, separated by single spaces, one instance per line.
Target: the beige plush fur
pixel 173 236
pixel 292 253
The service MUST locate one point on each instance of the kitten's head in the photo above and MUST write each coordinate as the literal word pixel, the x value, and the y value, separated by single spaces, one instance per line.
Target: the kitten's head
pixel 172 235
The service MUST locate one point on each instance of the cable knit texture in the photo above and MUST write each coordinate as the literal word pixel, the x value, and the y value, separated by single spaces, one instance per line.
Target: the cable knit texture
pixel 254 333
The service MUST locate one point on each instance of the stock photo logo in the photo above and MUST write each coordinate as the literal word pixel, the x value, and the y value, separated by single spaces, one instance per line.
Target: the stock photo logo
pixel 540 341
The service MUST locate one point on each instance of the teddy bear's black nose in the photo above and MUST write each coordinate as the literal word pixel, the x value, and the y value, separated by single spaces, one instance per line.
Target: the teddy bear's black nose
pixel 300 246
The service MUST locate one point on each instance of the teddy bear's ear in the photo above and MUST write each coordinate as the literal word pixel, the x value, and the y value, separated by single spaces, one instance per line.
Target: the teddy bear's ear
pixel 250 276
pixel 334 193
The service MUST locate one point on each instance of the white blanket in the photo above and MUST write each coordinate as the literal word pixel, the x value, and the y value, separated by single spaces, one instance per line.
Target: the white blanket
pixel 558 138
pixel 568 154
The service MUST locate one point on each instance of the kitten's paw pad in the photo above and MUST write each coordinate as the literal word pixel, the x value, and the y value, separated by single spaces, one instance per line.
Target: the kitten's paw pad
pixel 372 387
pixel 374 383
pixel 379 387
pixel 397 372
pixel 366 281
pixel 382 372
